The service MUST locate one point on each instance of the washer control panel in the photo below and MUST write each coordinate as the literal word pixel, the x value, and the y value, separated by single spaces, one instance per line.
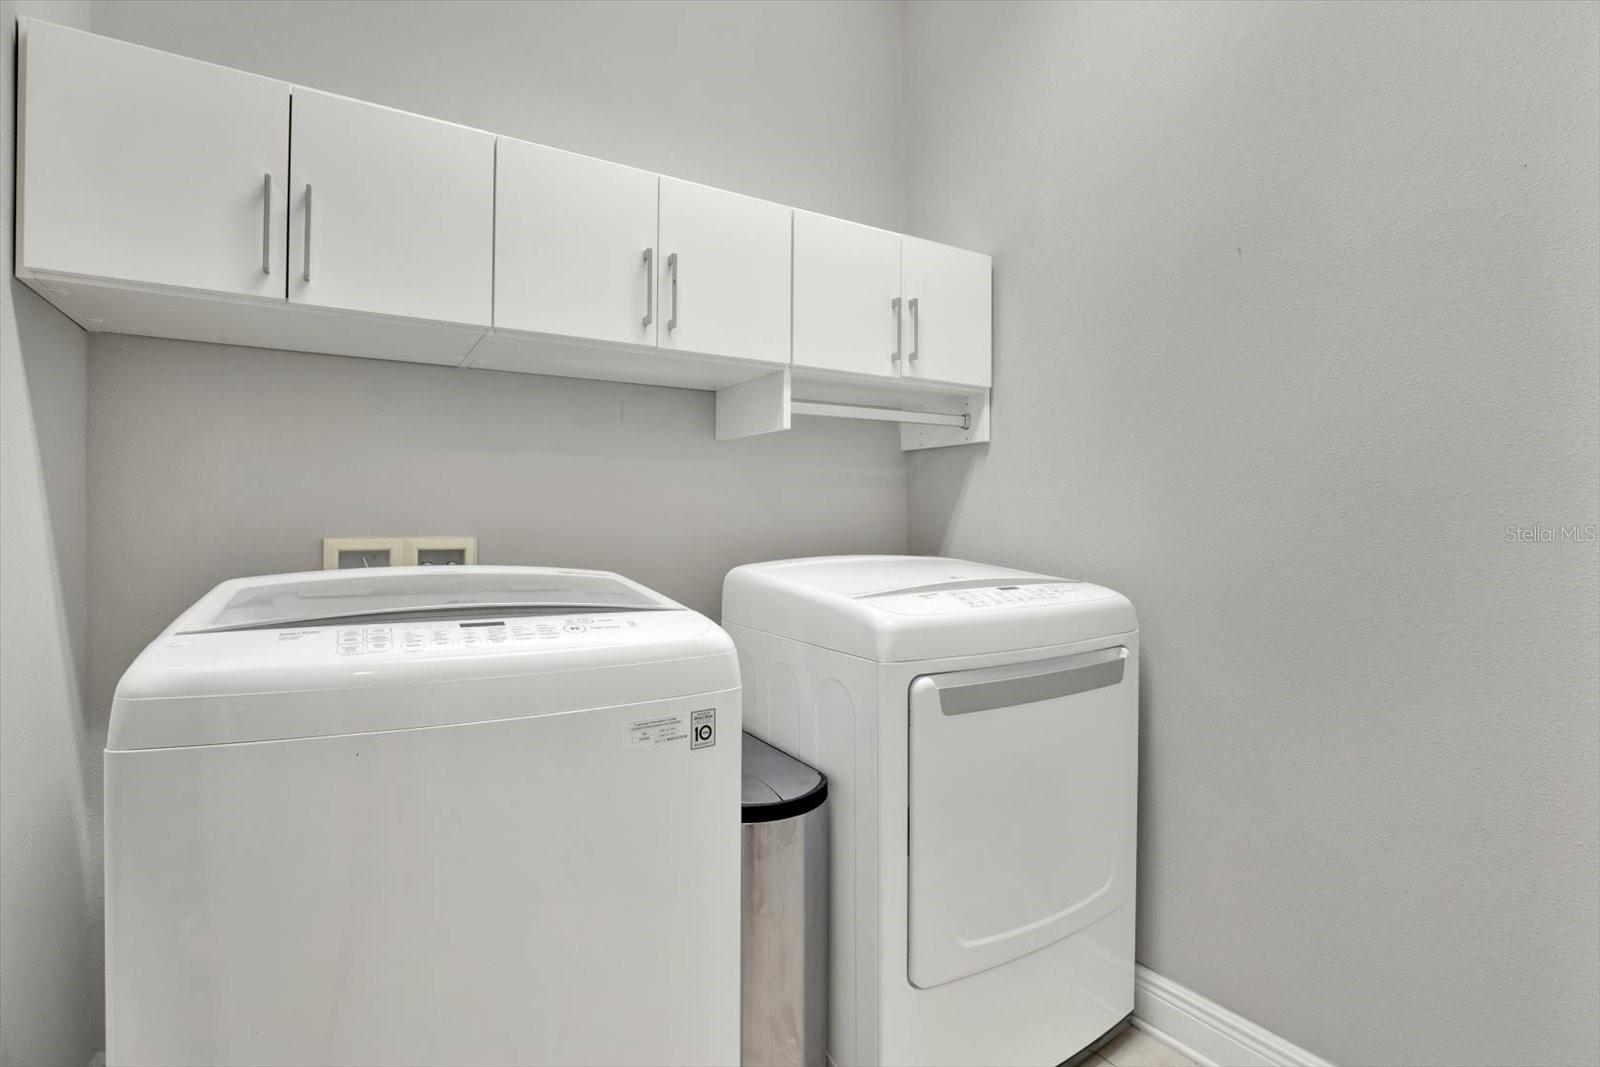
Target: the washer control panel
pixel 514 633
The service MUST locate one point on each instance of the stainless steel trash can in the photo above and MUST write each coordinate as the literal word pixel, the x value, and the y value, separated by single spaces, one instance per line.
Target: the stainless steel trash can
pixel 785 942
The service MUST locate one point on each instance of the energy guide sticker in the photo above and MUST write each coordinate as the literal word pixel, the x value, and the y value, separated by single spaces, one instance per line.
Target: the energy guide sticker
pixel 661 730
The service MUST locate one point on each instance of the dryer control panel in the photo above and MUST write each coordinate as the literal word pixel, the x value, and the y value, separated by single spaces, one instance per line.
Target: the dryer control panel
pixel 980 598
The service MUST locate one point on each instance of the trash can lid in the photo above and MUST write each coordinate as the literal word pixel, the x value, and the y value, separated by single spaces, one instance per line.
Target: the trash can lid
pixel 778 786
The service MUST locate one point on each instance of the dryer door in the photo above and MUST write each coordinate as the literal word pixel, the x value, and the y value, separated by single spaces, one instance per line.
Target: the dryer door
pixel 1021 808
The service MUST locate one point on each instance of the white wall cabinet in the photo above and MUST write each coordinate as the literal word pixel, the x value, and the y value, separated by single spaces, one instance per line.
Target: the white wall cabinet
pixel 167 197
pixel 847 306
pixel 148 168
pixel 575 245
pixel 871 302
pixel 390 213
pixel 946 300
pixel 724 273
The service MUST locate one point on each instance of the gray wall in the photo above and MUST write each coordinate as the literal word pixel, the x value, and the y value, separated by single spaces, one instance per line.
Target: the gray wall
pixel 1295 313
pixel 207 463
pixel 49 947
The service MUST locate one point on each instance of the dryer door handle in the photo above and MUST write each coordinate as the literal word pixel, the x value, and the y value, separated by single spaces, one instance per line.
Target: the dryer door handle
pixel 988 688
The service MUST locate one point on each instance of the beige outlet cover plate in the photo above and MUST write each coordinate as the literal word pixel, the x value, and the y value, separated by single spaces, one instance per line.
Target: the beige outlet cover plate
pixel 415 546
pixel 334 547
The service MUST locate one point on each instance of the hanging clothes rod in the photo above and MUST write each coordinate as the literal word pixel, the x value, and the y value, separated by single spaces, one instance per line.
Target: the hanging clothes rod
pixel 862 411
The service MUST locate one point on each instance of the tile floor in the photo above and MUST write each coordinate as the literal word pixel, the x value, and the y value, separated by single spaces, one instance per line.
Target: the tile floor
pixel 1135 1048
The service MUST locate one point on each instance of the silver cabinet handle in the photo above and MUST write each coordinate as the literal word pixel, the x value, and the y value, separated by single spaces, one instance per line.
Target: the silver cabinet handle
pixel 916 331
pixel 672 268
pixel 991 688
pixel 266 224
pixel 895 306
pixel 649 286
pixel 305 272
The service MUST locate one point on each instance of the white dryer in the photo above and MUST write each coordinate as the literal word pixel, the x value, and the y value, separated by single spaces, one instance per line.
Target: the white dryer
pixel 467 815
pixel 979 727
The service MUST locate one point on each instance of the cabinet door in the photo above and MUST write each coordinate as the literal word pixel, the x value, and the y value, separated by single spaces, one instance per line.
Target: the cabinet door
pixel 724 273
pixel 390 213
pixel 145 167
pixel 575 245
pixel 947 311
pixel 846 296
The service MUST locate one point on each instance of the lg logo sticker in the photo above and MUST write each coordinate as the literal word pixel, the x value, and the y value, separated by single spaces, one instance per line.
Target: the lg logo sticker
pixel 703 728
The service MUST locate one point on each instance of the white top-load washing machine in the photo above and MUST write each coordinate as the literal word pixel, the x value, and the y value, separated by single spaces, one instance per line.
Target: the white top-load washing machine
pixel 979 727
pixel 466 815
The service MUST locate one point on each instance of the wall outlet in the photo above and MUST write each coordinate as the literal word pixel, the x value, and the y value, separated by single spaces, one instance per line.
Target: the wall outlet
pixel 441 551
pixel 354 553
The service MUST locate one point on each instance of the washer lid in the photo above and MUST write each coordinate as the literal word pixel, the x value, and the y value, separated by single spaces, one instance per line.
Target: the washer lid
pixel 895 609
pixel 305 655
pixel 394 594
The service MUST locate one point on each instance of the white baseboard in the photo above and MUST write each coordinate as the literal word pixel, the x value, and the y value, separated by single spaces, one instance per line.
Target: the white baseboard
pixel 1207 1032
